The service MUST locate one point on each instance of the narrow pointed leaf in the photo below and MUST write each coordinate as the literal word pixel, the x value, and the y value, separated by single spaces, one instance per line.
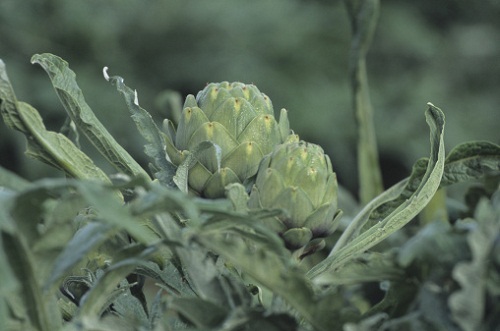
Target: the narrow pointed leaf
pixel 155 148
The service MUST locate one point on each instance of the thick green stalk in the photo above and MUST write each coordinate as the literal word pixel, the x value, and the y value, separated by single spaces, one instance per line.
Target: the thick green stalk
pixel 363 15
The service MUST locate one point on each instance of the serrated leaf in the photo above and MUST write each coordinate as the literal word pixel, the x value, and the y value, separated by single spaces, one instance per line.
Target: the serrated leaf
pixel 64 82
pixel 271 271
pixel 403 213
pixel 155 148
pixel 435 244
pixel 468 304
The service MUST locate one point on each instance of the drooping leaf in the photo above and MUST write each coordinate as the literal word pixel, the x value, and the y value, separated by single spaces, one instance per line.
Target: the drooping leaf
pixel 64 82
pixel 403 213
pixel 155 148
pixel 49 147
pixel 471 160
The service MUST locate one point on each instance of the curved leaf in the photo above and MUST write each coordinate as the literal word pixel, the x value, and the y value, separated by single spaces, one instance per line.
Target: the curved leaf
pixel 49 147
pixel 406 210
pixel 64 82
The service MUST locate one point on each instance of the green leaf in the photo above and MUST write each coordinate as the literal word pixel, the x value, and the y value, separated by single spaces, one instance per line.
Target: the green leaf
pixel 105 289
pixel 202 313
pixel 468 161
pixel 85 240
pixel 369 267
pixel 471 160
pixel 9 282
pixel 270 270
pixel 12 181
pixel 112 211
pixel 406 211
pixel 468 304
pixel 64 82
pixel 435 244
pixel 155 148
pixel 39 305
pixel 52 148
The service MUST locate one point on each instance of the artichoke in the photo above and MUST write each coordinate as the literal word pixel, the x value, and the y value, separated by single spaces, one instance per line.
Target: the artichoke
pixel 222 136
pixel 297 177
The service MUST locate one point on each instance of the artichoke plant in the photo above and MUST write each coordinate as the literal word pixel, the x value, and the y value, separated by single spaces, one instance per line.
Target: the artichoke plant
pixel 222 136
pixel 297 177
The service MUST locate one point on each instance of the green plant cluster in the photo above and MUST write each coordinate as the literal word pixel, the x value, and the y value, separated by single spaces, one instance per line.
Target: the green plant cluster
pixel 235 223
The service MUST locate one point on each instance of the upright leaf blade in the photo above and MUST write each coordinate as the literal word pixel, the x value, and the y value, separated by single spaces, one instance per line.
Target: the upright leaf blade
pixel 64 82
pixel 155 148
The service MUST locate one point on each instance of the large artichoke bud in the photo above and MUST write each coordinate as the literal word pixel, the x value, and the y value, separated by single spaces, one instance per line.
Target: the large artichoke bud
pixel 298 178
pixel 222 136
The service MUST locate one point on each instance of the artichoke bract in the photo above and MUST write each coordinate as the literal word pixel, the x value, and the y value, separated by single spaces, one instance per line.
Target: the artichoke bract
pixel 222 136
pixel 297 177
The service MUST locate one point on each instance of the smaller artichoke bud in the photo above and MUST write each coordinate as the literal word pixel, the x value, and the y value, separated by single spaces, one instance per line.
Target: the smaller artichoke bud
pixel 297 177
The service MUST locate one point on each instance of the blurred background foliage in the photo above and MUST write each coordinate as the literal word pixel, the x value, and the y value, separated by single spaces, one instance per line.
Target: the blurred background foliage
pixel 443 51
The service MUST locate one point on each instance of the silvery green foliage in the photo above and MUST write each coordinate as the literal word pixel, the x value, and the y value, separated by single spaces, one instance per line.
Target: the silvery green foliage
pixel 75 251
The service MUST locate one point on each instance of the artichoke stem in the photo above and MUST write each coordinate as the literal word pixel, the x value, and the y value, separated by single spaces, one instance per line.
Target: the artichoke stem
pixel 363 15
